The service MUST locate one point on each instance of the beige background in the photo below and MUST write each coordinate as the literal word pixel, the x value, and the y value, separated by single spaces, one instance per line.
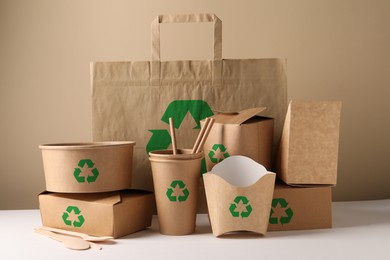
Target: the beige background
pixel 336 50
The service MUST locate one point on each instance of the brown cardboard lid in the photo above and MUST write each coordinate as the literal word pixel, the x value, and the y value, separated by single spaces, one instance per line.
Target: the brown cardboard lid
pixel 238 117
pixel 110 198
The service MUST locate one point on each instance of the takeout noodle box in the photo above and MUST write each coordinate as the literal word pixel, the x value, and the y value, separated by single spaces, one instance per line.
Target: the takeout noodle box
pixel 240 133
pixel 308 151
pixel 115 214
pixel 87 167
pixel 300 208
pixel 239 194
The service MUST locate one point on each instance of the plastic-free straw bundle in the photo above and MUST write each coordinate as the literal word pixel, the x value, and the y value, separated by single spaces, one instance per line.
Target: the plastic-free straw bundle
pixel 200 140
pixel 203 134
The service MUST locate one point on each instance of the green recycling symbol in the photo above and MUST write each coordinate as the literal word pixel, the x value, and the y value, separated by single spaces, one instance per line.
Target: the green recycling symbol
pixel 174 185
pixel 90 165
pixel 214 149
pixel 244 213
pixel 288 212
pixel 75 210
pixel 178 110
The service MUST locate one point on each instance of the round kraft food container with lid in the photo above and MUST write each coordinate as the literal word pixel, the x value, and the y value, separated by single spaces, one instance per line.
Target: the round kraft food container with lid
pixel 87 167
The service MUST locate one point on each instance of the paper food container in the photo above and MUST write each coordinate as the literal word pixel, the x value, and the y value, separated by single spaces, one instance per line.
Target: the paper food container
pixel 240 133
pixel 87 167
pixel 116 214
pixel 176 185
pixel 239 195
pixel 300 208
pixel 308 151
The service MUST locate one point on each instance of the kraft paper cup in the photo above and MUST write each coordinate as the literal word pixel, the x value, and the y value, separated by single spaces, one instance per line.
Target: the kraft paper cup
pixel 176 179
pixel 87 167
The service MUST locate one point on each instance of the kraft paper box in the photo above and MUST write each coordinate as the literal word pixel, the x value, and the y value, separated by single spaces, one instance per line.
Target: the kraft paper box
pixel 300 208
pixel 239 194
pixel 88 167
pixel 243 133
pixel 113 214
pixel 308 151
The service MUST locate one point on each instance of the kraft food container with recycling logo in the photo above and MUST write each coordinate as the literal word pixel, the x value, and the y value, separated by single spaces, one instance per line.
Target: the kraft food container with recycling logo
pixel 239 195
pixel 244 133
pixel 87 167
pixel 115 214
pixel 176 182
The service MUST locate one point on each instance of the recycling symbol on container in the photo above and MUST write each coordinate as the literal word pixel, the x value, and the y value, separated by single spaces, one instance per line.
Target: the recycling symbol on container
pixel 222 151
pixel 178 110
pixel 76 211
pixel 287 215
pixel 85 164
pixel 244 213
pixel 177 184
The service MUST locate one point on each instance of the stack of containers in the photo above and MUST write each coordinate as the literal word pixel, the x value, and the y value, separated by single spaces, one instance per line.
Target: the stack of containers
pixel 87 189
pixel 305 163
pixel 307 166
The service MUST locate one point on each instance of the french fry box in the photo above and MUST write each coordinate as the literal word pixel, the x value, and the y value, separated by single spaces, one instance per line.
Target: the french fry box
pixel 115 214
pixel 243 133
pixel 176 180
pixel 308 151
pixel 239 195
pixel 87 167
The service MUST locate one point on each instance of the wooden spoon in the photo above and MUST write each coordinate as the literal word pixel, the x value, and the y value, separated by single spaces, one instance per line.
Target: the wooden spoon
pixel 74 243
pixel 78 234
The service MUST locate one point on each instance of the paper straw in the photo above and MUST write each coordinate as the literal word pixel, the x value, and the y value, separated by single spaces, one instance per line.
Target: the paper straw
pixel 206 134
pixel 173 135
pixel 200 135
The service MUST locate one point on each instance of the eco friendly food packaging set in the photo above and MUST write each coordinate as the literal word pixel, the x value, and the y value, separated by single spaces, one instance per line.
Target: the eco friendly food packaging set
pixel 178 138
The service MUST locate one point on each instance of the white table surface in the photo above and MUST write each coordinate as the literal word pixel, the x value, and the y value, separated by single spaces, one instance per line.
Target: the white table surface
pixel 361 230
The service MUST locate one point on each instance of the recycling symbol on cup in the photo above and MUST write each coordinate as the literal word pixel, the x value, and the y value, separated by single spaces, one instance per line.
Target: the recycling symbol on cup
pixel 178 109
pixel 222 151
pixel 83 165
pixel 244 213
pixel 174 185
pixel 286 217
pixel 76 211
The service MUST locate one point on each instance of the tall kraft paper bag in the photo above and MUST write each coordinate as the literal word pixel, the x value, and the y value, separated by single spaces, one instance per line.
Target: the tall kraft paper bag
pixel 133 100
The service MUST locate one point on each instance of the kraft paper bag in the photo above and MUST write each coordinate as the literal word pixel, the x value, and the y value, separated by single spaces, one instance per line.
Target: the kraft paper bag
pixel 133 100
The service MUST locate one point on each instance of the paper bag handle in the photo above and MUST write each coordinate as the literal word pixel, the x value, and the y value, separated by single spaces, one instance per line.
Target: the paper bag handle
pixel 186 18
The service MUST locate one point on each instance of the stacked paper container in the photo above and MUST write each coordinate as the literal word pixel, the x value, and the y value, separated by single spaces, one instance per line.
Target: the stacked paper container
pixel 87 189
pixel 306 165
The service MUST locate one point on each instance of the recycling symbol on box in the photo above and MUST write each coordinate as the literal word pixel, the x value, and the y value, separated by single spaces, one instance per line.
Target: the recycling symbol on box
pixel 174 185
pixel 286 217
pixel 83 165
pixel 76 211
pixel 244 213
pixel 178 110
pixel 222 151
